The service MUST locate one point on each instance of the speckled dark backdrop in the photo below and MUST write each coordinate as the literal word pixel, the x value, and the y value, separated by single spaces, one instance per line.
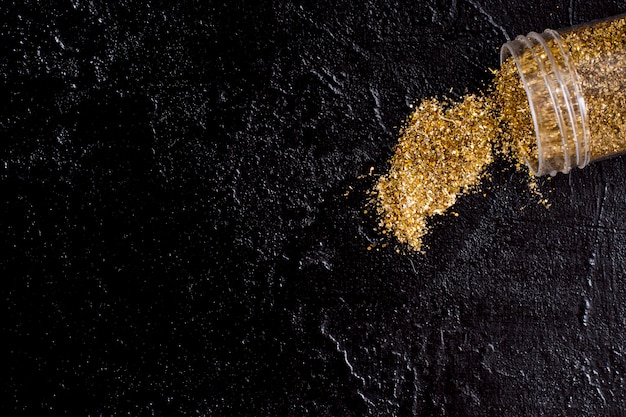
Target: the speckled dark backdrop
pixel 182 227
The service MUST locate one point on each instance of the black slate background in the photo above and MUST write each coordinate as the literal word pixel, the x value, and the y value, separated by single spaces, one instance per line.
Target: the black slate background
pixel 182 224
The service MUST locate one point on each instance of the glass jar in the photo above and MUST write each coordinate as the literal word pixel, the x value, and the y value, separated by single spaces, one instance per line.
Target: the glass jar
pixel 575 83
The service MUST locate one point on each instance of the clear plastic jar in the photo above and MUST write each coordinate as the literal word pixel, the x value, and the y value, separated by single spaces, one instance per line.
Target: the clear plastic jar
pixel 575 82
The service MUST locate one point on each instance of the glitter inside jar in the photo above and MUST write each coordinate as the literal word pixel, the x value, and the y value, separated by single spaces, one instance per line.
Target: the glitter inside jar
pixel 575 83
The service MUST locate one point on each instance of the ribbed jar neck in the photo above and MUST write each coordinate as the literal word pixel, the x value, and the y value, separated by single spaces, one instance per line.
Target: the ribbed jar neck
pixel 555 99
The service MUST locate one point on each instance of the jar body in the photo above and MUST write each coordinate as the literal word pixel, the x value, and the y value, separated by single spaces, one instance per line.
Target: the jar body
pixel 575 82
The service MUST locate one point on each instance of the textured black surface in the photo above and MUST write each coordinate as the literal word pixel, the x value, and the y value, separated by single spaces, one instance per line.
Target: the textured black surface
pixel 182 227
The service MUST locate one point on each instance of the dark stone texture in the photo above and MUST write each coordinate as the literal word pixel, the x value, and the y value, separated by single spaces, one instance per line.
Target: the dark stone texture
pixel 183 232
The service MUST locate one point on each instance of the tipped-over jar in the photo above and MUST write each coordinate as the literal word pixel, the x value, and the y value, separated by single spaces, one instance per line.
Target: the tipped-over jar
pixel 575 83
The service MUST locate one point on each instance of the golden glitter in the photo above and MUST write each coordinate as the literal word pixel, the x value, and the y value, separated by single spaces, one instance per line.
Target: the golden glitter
pixel 444 149
pixel 517 134
pixel 598 53
pixel 576 79
pixel 442 152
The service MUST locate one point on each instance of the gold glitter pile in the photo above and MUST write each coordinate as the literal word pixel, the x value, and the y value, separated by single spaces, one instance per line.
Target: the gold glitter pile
pixel 443 151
